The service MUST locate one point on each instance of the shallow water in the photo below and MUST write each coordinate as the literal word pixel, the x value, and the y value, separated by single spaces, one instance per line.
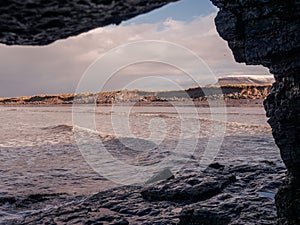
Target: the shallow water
pixel 39 153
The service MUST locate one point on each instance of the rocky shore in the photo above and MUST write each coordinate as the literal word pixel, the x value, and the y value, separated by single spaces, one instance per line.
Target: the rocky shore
pixel 227 92
pixel 222 194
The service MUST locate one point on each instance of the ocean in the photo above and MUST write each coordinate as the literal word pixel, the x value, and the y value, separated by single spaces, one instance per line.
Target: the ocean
pixel 45 152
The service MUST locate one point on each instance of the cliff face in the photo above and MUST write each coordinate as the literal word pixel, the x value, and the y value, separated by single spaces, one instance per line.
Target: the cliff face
pixel 229 92
pixel 246 79
pixel 41 22
pixel 266 32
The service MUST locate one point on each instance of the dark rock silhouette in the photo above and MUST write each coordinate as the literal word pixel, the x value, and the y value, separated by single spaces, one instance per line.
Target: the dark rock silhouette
pixel 41 22
pixel 266 32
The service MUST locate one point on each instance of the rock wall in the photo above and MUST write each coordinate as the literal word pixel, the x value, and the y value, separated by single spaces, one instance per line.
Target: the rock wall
pixel 266 32
pixel 41 22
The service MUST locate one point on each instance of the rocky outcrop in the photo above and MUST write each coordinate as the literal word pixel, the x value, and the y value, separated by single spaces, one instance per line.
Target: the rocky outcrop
pixel 221 195
pixel 42 22
pixel 266 32
pixel 227 92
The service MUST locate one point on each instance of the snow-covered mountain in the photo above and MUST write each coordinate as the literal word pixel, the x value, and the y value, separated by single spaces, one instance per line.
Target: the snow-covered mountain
pixel 246 79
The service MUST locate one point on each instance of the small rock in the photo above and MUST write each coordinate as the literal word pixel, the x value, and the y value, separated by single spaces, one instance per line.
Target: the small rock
pixel 216 166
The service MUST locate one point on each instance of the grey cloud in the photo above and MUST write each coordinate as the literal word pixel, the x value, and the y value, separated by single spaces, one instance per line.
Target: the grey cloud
pixel 58 67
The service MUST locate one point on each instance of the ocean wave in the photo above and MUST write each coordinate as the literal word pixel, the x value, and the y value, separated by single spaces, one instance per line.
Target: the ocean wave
pixel 237 124
pixel 59 128
pixel 75 128
pixel 103 136
pixel 209 120
pixel 234 124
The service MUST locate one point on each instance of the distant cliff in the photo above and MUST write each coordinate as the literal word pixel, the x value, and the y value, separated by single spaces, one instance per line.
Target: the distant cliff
pixel 226 92
pixel 246 79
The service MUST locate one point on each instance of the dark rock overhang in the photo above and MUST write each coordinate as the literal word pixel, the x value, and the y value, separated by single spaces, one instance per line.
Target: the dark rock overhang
pixel 41 22
pixel 266 32
pixel 259 32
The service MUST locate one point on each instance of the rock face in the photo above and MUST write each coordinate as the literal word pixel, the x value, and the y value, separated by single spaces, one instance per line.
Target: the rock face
pixel 266 32
pixel 229 92
pixel 221 195
pixel 41 22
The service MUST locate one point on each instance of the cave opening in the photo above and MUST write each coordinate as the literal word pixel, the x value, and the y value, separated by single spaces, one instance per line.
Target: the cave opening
pixel 258 33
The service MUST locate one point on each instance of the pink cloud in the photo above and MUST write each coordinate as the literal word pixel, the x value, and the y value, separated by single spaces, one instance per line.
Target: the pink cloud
pixel 59 66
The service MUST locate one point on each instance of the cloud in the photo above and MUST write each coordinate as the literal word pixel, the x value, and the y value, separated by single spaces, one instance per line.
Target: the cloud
pixel 57 68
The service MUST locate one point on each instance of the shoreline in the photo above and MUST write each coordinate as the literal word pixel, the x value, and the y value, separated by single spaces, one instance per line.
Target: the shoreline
pixel 231 94
pixel 228 103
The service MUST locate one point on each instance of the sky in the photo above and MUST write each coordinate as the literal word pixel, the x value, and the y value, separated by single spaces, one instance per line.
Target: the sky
pixel 59 67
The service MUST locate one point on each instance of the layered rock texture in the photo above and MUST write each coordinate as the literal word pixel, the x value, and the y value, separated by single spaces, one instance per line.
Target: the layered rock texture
pixel 266 32
pixel 41 22
pixel 197 94
pixel 214 197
